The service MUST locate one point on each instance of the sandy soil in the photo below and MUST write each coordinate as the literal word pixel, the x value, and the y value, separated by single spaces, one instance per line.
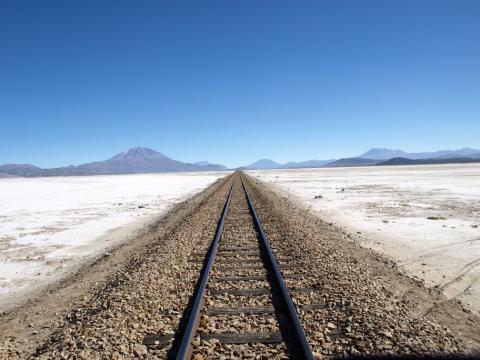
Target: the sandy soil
pixel 50 226
pixel 426 218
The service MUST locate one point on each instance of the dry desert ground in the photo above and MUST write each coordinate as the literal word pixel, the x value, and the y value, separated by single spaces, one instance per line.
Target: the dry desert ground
pixel 50 225
pixel 425 217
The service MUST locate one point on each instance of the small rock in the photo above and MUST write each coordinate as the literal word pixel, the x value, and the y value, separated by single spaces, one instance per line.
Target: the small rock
pixel 388 334
pixel 140 351
pixel 123 349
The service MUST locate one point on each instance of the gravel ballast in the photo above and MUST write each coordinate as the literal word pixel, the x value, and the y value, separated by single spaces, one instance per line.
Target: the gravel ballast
pixel 369 307
pixel 143 286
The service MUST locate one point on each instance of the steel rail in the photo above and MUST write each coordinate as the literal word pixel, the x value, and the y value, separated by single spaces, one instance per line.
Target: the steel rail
pixel 185 350
pixel 304 351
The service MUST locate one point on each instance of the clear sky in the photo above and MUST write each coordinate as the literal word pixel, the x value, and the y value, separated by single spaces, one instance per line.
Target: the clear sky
pixel 234 81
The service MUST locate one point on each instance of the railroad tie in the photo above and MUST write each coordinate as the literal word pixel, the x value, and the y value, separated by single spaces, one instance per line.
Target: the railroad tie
pixel 245 338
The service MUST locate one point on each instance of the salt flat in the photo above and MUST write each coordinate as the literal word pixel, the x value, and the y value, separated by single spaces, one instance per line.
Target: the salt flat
pixel 50 225
pixel 427 218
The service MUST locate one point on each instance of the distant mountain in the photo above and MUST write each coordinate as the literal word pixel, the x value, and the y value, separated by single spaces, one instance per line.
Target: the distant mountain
pixel 382 154
pixel 460 153
pixel 405 161
pixel 385 154
pixel 135 160
pixel 264 164
pixel 306 164
pixel 209 165
pixel 373 156
pixel 352 162
pixel 12 169
pixel 398 161
pixel 270 164
pixel 202 163
pixel 143 160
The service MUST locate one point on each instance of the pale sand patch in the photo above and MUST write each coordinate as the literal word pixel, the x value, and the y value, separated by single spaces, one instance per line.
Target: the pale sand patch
pixel 390 207
pixel 50 226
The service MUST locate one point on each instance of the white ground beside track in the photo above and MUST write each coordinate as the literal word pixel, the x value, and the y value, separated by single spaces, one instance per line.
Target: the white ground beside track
pixel 387 208
pixel 50 225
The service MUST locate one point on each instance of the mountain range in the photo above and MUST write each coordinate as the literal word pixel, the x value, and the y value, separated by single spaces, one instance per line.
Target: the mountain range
pixel 133 161
pixel 264 164
pixel 376 156
pixel 144 160
pixel 385 154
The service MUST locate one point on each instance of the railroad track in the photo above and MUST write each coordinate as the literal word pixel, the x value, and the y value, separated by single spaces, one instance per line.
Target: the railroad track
pixel 183 295
pixel 241 296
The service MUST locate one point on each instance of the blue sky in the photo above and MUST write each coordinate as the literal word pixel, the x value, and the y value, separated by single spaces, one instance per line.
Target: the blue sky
pixel 234 81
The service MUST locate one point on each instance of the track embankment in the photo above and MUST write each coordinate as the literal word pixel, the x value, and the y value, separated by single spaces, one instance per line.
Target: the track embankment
pixel 75 313
pixel 362 303
pixel 376 308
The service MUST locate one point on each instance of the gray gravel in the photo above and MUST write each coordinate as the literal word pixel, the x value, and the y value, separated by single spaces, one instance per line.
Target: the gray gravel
pixel 367 306
pixel 239 231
